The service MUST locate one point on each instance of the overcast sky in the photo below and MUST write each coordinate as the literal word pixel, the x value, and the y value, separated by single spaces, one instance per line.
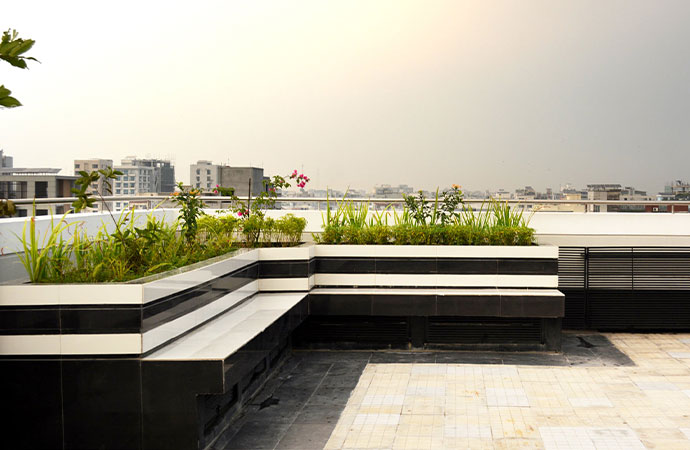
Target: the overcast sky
pixel 486 94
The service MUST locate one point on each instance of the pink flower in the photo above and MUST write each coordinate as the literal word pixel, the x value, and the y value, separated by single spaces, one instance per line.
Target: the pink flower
pixel 240 213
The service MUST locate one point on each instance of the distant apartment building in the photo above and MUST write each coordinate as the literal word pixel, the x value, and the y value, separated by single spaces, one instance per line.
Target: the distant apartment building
pixel 603 192
pixel 502 194
pixel 615 192
pixel 528 193
pixel 388 191
pixel 36 183
pixel 676 190
pixel 143 176
pixel 5 160
pixel 205 175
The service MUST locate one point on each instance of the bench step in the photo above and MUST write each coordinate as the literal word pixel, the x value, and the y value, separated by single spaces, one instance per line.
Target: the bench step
pixel 228 333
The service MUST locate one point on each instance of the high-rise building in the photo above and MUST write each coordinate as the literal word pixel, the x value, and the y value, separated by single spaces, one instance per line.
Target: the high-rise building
pixel 142 176
pixel 205 175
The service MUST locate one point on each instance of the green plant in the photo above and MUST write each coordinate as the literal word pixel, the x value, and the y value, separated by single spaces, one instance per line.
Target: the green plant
pixel 190 209
pixel 224 191
pixel 84 197
pixel 12 49
pixel 36 258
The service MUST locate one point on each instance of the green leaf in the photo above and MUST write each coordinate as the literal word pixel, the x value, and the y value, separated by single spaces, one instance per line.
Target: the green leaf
pixel 9 102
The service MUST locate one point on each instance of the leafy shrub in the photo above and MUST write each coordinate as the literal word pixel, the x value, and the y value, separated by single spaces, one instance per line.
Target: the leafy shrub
pixel 406 234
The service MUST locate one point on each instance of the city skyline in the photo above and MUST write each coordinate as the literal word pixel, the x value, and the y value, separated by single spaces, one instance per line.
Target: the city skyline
pixel 483 95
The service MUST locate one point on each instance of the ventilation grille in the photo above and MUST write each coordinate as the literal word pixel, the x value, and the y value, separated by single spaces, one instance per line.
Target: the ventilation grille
pixel 467 330
pixel 641 310
pixel 571 267
pixel 353 329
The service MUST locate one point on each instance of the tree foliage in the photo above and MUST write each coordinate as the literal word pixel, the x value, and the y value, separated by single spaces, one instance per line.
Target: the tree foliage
pixel 12 49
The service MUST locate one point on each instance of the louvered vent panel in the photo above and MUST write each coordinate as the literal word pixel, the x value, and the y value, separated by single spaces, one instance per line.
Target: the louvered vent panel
pixel 571 267
pixel 355 329
pixel 575 308
pixel 639 310
pixel 661 268
pixel 610 268
pixel 467 330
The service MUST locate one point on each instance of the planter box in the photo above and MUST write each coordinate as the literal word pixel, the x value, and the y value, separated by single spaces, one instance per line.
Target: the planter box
pixel 116 365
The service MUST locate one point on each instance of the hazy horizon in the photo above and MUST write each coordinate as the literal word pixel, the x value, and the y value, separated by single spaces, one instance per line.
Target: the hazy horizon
pixel 487 95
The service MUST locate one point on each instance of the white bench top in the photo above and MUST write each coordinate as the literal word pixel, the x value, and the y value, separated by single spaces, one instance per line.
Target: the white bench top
pixel 228 333
pixel 441 292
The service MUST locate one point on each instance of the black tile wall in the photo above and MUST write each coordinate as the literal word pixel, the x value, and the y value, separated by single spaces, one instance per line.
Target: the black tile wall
pixel 102 404
pixel 284 269
pixel 345 265
pixel 169 400
pixel 457 266
pixel 403 305
pixel 31 399
pixel 468 305
pixel 406 265
pixel 100 320
pixel 349 305
pixel 23 320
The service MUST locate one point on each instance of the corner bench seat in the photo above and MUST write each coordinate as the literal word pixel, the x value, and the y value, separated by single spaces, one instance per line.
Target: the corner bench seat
pixel 193 385
pixel 229 332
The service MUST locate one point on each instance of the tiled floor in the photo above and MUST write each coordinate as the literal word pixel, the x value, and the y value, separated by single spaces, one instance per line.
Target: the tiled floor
pixel 589 397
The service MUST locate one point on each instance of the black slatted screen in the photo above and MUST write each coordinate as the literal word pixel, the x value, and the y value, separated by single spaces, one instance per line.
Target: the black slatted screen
pixel 625 288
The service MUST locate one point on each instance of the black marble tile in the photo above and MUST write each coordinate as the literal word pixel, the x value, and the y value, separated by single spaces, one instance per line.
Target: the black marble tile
pixel 403 305
pixel 403 357
pixel 169 403
pixel 348 305
pixel 344 380
pixel 284 269
pixel 345 265
pixel 307 436
pixel 100 320
pixel 469 305
pixel 534 359
pixel 258 435
pixel 406 265
pixel 169 308
pixel 528 266
pixel 22 320
pixel 102 404
pixel 532 306
pixel 467 266
pixel 323 414
pixel 327 356
pixel 31 400
pixel 469 357
pixel 330 395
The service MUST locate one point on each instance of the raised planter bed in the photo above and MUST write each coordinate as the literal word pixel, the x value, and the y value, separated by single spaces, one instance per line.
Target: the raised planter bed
pixel 170 360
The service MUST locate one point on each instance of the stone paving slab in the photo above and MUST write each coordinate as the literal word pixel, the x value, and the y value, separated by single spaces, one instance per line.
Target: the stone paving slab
pixel 586 404
pixel 612 391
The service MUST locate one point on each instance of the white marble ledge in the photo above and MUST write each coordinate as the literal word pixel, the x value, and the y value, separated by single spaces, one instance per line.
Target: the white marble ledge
pixel 71 294
pixel 439 292
pixel 228 333
pixel 436 251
